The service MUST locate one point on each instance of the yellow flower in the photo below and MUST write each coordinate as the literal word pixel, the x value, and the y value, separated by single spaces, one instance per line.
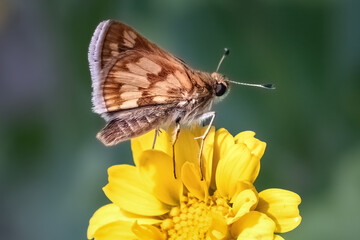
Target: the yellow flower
pixel 149 203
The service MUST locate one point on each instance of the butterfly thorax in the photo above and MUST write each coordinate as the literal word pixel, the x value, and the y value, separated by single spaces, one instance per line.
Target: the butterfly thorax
pixel 207 88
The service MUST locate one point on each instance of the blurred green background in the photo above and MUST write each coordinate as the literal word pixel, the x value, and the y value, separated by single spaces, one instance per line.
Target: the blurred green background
pixel 52 167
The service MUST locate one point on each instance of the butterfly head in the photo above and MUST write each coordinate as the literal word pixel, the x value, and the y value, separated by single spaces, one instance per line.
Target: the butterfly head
pixel 221 84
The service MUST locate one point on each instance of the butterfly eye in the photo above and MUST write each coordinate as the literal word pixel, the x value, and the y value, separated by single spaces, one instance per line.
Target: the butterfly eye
pixel 220 89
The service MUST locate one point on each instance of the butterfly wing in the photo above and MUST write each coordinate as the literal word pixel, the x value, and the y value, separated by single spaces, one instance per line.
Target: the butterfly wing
pixel 129 72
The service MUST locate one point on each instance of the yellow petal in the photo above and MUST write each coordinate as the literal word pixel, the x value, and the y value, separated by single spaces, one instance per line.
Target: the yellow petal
pixel 157 169
pixel 241 186
pixel 256 146
pixel 252 226
pixel 147 232
pixel 227 155
pixel 236 166
pixel 190 175
pixel 112 213
pixel 282 206
pixel 115 230
pixel 218 228
pixel 145 142
pixel 208 151
pixel 104 215
pixel 127 189
pixel 244 202
pixel 222 143
pixel 278 237
pixel 186 149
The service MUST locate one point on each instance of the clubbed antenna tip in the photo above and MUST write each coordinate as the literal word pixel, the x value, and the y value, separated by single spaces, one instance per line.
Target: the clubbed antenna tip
pixel 226 53
pixel 269 86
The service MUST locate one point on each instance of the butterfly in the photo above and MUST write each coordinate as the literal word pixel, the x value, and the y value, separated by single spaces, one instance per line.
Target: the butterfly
pixel 138 87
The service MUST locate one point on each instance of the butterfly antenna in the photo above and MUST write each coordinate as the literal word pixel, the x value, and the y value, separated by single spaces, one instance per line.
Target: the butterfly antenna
pixel 266 85
pixel 226 52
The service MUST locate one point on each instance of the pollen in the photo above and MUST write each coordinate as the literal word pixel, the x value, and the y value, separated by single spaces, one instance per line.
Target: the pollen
pixel 193 218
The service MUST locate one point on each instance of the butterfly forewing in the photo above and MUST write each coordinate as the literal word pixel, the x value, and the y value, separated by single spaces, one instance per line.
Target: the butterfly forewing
pixel 140 79
pixel 134 72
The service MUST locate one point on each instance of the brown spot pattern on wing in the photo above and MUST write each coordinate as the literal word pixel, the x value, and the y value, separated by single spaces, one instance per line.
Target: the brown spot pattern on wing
pixel 140 80
pixel 126 39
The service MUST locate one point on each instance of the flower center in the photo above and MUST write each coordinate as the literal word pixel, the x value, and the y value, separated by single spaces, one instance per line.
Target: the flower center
pixel 194 218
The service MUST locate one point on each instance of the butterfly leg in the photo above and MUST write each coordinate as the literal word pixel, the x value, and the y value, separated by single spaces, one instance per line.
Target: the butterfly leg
pixel 157 133
pixel 203 117
pixel 175 136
